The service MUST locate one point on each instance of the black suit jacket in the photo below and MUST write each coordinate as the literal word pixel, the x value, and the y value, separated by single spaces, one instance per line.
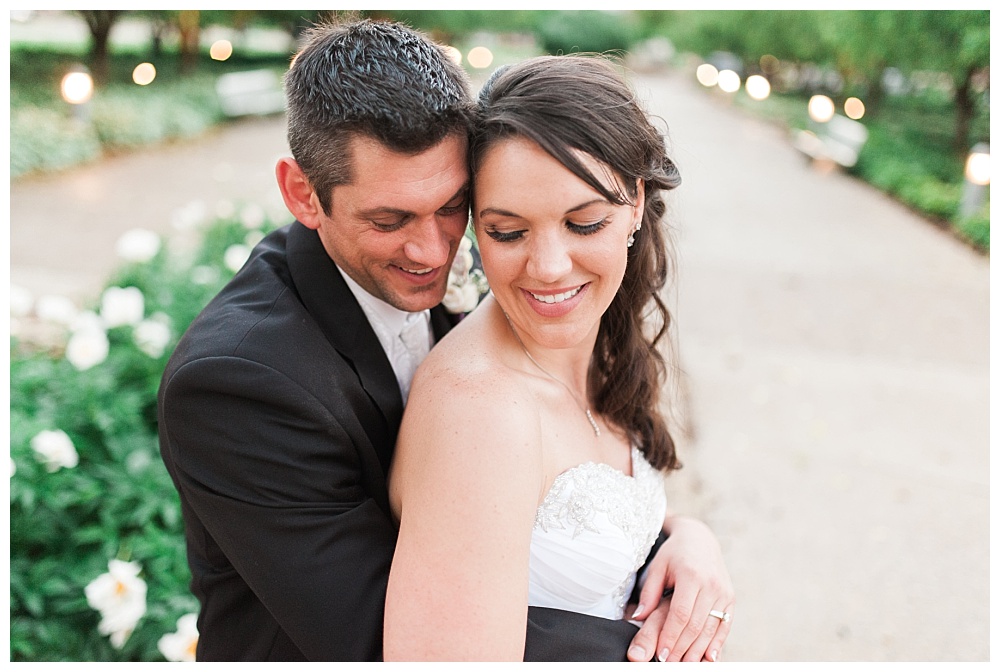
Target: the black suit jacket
pixel 278 414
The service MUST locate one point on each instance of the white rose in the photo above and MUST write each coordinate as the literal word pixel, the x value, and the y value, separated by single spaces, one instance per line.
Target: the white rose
pixel 55 449
pixel 204 275
pixel 470 297
pixel 21 301
pixel 87 347
pixel 120 597
pixel 138 245
pixel 180 646
pixel 55 308
pixel 252 238
pixel 463 262
pixel 189 217
pixel 152 336
pixel 453 298
pixel 122 305
pixel 235 256
pixel 86 319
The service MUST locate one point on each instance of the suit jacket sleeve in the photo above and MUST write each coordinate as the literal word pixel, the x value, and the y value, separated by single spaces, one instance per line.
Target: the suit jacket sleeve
pixel 269 478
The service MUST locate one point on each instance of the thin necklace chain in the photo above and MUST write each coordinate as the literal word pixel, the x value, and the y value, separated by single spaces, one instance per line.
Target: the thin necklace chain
pixel 590 418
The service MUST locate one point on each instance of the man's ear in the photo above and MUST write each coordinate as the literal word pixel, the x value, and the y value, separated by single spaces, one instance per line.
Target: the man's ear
pixel 298 193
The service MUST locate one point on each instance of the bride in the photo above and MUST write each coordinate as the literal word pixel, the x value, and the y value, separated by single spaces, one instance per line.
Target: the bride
pixel 528 470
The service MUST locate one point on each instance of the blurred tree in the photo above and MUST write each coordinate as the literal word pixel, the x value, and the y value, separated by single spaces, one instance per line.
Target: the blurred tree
pixel 953 42
pixel 957 42
pixel 748 34
pixel 100 22
pixel 450 25
pixel 189 23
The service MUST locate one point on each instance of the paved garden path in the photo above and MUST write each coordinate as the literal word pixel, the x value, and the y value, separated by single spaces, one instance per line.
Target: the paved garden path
pixel 834 357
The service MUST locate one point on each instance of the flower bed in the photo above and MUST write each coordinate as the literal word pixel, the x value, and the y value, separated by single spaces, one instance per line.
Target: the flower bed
pixel 98 570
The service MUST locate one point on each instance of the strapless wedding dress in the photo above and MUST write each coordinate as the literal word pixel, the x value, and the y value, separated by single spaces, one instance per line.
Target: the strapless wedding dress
pixel 592 533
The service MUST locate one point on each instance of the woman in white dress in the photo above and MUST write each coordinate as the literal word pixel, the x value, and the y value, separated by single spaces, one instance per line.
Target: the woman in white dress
pixel 528 470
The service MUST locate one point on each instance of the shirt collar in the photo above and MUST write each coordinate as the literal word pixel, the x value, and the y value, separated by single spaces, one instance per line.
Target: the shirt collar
pixel 378 312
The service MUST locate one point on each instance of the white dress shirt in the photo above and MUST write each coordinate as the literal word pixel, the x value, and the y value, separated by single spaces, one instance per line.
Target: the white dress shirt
pixel 389 322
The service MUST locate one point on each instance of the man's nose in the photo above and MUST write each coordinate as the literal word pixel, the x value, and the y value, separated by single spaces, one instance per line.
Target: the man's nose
pixel 430 243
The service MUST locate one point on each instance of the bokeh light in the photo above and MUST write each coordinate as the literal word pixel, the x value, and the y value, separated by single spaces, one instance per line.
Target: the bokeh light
pixel 707 74
pixel 977 167
pixel 453 53
pixel 758 87
pixel 221 50
pixel 821 108
pixel 144 74
pixel 77 87
pixel 769 63
pixel 480 57
pixel 729 81
pixel 854 108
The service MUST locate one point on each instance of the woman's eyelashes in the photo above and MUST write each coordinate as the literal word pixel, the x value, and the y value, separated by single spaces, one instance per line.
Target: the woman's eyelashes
pixel 579 229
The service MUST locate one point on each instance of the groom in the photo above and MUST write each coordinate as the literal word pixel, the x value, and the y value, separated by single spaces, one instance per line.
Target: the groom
pixel 279 408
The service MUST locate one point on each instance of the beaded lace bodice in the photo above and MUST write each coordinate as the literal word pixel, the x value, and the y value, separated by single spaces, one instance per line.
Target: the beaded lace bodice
pixel 592 533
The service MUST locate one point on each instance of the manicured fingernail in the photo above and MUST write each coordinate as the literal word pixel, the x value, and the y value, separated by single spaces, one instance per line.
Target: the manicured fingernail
pixel 638 610
pixel 714 656
pixel 664 652
pixel 637 652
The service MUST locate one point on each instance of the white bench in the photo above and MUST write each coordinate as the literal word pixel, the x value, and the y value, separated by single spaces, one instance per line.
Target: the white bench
pixel 253 92
pixel 839 140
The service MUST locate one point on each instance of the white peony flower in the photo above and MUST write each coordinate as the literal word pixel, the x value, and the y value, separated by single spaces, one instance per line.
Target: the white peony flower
pixel 86 319
pixel 138 245
pixel 204 275
pixel 87 347
pixel 190 217
pixel 252 216
pixel 252 238
pixel 55 449
pixel 235 256
pixel 120 597
pixel 470 297
pixel 463 262
pixel 180 646
pixel 55 308
pixel 122 305
pixel 225 209
pixel 152 335
pixel 21 301
pixel 460 297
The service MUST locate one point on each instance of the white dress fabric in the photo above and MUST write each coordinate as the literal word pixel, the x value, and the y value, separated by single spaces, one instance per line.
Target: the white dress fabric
pixel 592 533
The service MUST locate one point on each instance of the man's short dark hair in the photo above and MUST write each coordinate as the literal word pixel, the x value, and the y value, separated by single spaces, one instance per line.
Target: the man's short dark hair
pixel 377 79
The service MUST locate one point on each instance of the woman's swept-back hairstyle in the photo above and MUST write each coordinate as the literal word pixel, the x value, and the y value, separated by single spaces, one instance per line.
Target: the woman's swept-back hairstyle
pixel 382 80
pixel 582 103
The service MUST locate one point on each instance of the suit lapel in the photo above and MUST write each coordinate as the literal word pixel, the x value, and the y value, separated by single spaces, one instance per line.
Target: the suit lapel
pixel 331 303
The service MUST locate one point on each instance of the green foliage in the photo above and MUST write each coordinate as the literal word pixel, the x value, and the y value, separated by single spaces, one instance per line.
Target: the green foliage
pixel 46 135
pixel 119 501
pixel 126 118
pixel 976 229
pixel 42 139
pixel 566 32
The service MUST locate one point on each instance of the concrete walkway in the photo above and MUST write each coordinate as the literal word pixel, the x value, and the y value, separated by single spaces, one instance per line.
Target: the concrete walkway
pixel 834 351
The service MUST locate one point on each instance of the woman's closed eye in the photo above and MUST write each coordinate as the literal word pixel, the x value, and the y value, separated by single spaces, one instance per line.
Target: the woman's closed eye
pixel 504 236
pixel 587 229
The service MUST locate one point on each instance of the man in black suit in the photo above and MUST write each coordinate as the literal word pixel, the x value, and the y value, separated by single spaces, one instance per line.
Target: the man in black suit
pixel 279 408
